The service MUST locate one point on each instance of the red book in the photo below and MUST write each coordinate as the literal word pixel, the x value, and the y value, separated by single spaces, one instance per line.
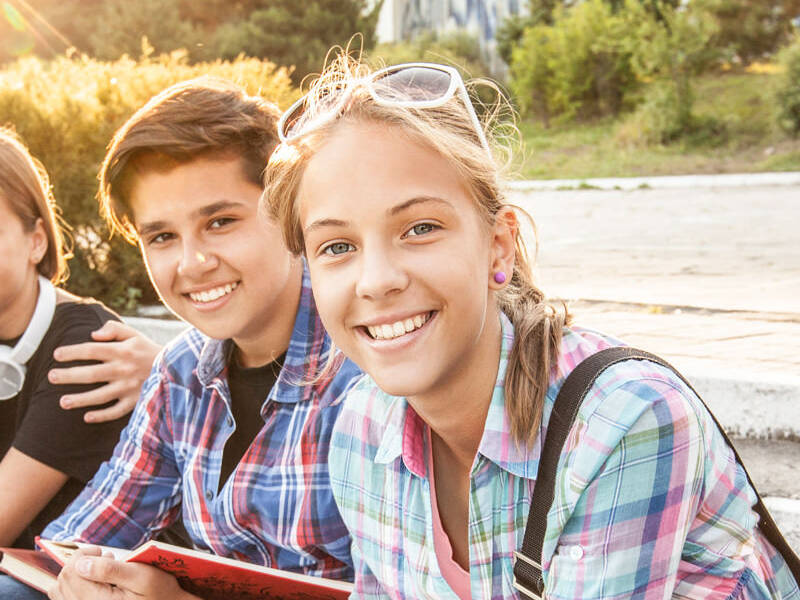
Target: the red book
pixel 31 567
pixel 206 575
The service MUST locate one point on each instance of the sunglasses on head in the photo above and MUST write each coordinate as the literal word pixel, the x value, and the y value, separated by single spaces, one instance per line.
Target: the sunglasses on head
pixel 415 85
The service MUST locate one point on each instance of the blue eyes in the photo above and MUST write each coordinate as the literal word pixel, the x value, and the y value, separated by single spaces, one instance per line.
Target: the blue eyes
pixel 338 248
pixel 421 229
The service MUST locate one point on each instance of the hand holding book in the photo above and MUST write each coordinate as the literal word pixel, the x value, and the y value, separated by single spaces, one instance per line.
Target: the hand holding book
pixel 91 574
pixel 156 570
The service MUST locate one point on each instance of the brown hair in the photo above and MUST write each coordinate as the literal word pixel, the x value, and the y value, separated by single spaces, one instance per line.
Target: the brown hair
pixel 201 117
pixel 26 187
pixel 448 130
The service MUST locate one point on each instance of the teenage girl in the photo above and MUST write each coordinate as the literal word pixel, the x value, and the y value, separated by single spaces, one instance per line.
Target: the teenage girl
pixel 46 454
pixel 385 182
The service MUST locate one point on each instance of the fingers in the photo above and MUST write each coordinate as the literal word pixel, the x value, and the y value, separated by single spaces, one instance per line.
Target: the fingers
pixel 97 396
pixel 83 351
pixel 83 374
pixel 122 407
pixel 114 330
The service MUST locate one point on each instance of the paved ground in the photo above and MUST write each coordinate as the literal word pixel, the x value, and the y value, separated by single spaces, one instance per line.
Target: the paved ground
pixel 710 279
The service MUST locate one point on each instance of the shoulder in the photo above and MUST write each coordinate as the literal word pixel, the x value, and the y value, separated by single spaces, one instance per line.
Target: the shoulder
pixel 178 360
pixel 366 416
pixel 636 407
pixel 74 320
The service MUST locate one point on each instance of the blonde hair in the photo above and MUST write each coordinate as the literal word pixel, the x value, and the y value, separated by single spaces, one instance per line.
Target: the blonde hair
pixel 24 184
pixel 449 131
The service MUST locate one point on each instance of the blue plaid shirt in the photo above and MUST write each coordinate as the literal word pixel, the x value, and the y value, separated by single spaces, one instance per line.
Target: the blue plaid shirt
pixel 276 508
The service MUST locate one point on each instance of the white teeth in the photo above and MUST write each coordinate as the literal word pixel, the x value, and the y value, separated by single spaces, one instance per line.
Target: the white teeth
pixel 390 331
pixel 211 295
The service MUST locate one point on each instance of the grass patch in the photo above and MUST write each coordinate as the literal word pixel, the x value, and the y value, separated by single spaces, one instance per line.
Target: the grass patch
pixel 608 148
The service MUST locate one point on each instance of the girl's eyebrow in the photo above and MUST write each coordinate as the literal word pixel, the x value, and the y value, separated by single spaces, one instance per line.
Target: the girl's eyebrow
pixel 417 200
pixel 320 223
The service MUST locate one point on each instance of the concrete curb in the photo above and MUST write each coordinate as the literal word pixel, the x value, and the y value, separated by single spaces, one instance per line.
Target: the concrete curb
pixel 669 181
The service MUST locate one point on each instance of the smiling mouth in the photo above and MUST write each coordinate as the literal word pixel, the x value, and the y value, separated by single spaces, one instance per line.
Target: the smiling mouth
pixel 214 293
pixel 390 331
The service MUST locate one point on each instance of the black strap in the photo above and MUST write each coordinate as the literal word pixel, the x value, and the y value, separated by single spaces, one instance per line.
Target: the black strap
pixel 527 564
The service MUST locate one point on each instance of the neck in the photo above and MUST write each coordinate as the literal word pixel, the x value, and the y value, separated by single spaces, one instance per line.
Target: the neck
pixel 457 413
pixel 273 336
pixel 16 316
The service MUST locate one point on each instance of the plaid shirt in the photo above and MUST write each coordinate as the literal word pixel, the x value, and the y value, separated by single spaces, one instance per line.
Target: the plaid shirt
pixel 276 508
pixel 649 502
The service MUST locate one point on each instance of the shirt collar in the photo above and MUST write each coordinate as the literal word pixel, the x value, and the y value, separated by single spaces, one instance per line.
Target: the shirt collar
pixel 405 432
pixel 305 357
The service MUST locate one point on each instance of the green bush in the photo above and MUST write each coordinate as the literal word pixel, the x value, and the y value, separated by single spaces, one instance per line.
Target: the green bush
pixel 787 93
pixel 578 67
pixel 67 110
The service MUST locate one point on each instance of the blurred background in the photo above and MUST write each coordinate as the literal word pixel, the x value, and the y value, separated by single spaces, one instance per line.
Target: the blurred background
pixel 601 87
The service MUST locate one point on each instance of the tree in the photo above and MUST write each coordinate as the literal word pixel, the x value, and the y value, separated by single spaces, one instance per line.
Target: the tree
pixel 752 29
pixel 293 33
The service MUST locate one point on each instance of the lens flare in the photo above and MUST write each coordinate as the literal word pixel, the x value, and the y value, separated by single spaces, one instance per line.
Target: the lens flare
pixel 14 17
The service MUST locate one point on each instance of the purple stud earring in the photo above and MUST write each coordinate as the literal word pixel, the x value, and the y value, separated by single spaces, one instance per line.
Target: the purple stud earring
pixel 500 277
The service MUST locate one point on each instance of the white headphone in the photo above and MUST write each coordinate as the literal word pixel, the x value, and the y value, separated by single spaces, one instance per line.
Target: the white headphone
pixel 12 360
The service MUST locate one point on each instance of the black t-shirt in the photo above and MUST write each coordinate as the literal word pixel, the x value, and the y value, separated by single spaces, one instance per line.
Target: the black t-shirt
pixel 249 388
pixel 35 424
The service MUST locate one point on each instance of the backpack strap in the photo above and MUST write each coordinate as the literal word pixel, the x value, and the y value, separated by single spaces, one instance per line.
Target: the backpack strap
pixel 528 561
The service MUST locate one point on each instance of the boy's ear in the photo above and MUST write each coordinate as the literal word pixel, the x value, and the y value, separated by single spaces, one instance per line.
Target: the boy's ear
pixel 503 247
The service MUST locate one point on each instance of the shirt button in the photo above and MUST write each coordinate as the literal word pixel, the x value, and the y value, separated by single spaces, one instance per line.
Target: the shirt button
pixel 576 552
pixel 230 421
pixel 210 495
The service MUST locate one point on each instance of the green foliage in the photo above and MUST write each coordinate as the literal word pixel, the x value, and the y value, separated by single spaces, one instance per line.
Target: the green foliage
pixel 294 33
pixel 123 24
pixel 580 66
pixel 669 50
pixel 67 110
pixel 787 92
pixel 286 32
pixel 511 30
pixel 752 29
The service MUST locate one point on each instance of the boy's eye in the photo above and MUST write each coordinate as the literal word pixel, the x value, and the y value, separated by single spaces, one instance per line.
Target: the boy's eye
pixel 337 248
pixel 160 238
pixel 421 229
pixel 220 222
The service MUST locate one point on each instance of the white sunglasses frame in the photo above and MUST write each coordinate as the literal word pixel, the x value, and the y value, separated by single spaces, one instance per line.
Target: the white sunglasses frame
pixel 456 86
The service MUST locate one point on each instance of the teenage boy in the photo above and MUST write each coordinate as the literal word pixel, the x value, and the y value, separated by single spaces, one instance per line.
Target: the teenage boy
pixel 231 435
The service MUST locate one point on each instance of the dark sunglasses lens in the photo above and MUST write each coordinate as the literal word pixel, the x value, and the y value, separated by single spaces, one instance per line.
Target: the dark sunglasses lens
pixel 302 118
pixel 414 84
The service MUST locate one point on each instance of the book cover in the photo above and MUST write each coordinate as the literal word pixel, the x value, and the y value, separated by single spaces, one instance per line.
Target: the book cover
pixel 36 569
pixel 216 578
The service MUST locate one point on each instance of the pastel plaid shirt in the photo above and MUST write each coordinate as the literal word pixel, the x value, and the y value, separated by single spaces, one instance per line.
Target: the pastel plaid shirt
pixel 276 508
pixel 649 502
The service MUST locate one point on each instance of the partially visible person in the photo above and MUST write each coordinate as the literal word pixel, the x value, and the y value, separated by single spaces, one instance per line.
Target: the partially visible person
pixel 118 358
pixel 386 183
pixel 229 438
pixel 48 454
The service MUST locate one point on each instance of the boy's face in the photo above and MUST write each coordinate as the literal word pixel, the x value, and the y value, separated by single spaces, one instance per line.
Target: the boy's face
pixel 214 262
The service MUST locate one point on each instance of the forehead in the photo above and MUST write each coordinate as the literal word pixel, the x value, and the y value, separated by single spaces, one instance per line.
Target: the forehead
pixel 178 191
pixel 376 162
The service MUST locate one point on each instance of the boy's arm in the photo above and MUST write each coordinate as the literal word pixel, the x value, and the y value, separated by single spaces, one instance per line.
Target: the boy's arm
pixel 125 357
pixel 138 491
